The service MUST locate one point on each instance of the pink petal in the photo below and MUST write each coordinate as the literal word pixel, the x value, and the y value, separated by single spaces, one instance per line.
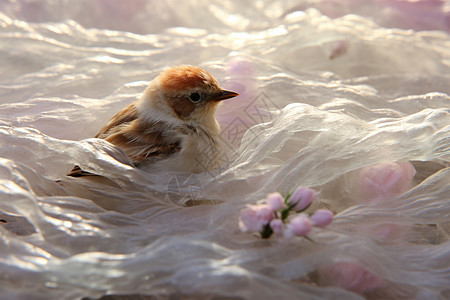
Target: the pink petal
pixel 275 201
pixel 254 217
pixel 300 225
pixel 277 226
pixel 303 197
pixel 321 218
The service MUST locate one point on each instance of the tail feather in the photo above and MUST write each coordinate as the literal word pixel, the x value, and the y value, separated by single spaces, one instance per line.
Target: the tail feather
pixel 78 172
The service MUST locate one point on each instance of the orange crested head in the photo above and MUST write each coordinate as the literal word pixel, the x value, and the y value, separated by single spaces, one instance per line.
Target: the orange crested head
pixel 183 78
pixel 192 94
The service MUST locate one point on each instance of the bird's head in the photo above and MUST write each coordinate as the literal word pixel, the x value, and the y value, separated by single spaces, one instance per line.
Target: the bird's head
pixel 186 93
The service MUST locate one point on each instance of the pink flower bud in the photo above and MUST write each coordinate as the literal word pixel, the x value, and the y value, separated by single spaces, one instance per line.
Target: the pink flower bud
pixel 321 218
pixel 303 197
pixel 254 217
pixel 275 201
pixel 300 225
pixel 277 226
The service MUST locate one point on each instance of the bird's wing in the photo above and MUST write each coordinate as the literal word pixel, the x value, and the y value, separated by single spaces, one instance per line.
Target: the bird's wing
pixel 126 115
pixel 139 140
pixel 142 141
pixel 78 172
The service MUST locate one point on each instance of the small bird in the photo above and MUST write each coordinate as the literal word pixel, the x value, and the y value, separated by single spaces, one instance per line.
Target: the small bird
pixel 172 125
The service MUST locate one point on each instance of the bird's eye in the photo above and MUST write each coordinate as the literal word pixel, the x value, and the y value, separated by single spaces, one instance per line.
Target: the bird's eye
pixel 194 97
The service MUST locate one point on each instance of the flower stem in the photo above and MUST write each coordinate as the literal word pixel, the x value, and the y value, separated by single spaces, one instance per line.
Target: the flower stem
pixel 266 232
pixel 285 212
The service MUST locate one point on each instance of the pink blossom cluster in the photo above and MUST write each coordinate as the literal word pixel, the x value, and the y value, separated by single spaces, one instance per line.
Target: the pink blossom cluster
pixel 273 216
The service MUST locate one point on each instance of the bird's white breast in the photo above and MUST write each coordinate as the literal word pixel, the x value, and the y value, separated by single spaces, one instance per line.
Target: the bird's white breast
pixel 201 151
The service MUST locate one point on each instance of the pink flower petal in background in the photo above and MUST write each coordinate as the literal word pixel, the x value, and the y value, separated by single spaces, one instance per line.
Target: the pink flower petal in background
pixel 340 48
pixel 350 276
pixel 236 117
pixel 384 181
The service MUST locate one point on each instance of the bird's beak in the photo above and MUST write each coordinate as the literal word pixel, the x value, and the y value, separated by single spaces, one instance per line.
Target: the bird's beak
pixel 225 95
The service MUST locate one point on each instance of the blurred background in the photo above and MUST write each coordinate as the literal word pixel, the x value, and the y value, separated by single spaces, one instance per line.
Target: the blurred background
pixel 146 16
pixel 348 97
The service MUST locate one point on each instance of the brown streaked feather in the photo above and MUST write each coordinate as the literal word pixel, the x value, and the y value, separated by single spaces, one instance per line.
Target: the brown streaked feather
pixel 126 115
pixel 139 140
